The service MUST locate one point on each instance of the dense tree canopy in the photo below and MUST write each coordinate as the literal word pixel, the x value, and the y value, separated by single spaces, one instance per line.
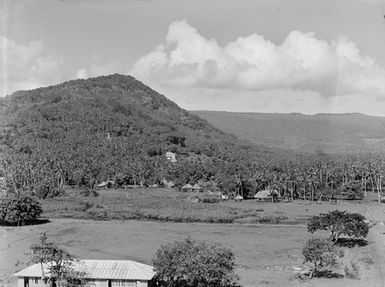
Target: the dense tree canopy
pixel 321 253
pixel 113 127
pixel 340 223
pixel 19 209
pixel 194 264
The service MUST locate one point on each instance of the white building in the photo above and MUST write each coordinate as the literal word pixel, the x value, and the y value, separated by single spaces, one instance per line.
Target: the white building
pixel 99 273
pixel 171 156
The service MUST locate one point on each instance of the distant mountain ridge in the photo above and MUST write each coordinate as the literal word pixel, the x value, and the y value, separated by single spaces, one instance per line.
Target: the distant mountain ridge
pixel 330 133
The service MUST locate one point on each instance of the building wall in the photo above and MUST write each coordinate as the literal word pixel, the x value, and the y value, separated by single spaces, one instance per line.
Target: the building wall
pixel 36 282
pixel 32 282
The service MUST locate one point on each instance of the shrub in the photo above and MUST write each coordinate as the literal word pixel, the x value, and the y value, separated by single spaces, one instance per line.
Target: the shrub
pixel 46 190
pixel 210 199
pixel 271 219
pixel 19 209
pixel 340 223
pixel 321 253
pixel 191 263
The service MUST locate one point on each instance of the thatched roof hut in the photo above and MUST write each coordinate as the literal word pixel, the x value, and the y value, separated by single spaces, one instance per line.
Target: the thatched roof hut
pixel 197 187
pixel 267 194
pixel 187 187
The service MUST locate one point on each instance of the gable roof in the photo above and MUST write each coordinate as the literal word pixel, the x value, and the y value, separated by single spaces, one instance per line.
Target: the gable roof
pixel 100 269
pixel 187 186
pixel 267 193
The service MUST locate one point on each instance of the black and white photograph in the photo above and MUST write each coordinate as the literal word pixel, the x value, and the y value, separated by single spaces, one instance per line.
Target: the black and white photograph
pixel 192 143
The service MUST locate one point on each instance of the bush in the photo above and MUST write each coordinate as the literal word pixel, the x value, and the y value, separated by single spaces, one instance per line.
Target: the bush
pixel 191 263
pixel 210 199
pixel 271 219
pixel 19 209
pixel 46 190
pixel 340 223
pixel 321 253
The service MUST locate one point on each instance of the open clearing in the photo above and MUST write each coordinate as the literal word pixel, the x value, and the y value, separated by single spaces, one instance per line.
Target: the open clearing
pixel 267 255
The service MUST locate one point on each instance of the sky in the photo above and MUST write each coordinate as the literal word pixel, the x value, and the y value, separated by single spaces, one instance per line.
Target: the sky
pixel 307 56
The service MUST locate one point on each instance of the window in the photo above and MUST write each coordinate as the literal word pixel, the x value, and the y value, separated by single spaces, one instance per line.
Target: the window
pixel 122 283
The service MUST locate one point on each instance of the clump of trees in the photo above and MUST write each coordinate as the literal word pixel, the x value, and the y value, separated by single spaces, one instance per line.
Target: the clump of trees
pixel 57 264
pixel 340 223
pixel 322 253
pixel 191 263
pixel 19 209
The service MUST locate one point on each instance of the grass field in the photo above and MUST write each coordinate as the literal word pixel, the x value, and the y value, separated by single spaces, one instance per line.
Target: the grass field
pixel 266 254
pixel 152 204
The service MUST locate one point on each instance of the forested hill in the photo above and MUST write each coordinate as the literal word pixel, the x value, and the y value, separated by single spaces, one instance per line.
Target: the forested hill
pixel 82 132
pixel 330 133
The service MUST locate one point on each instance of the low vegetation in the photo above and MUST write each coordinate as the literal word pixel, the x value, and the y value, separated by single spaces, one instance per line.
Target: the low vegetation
pixel 154 204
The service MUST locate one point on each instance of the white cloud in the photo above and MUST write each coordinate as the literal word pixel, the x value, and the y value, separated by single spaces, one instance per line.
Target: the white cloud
pixel 301 62
pixel 81 74
pixel 27 66
pixel 99 70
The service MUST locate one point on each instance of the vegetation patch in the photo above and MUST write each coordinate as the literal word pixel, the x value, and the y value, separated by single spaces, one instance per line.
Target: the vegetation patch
pixel 150 204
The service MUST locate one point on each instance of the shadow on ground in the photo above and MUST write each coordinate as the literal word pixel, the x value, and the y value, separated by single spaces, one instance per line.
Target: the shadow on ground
pixel 351 242
pixel 327 274
pixel 29 222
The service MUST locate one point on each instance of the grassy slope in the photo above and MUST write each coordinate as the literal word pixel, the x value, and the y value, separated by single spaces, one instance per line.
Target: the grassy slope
pixel 325 132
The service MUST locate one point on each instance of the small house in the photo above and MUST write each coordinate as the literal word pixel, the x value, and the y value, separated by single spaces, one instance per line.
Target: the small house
pixel 187 188
pixel 99 273
pixel 168 184
pixel 171 156
pixel 197 188
pixel 267 195
pixel 238 197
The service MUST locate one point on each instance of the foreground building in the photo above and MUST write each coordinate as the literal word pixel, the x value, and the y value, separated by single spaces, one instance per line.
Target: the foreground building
pixel 99 273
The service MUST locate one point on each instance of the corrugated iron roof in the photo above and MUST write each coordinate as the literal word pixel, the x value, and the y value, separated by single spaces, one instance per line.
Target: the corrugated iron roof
pixel 100 269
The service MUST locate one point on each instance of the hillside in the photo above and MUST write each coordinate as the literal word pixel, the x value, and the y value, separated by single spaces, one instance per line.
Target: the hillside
pixel 112 127
pixel 330 133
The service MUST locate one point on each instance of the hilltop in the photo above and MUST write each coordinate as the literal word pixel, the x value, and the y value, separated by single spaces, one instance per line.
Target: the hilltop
pixel 330 133
pixel 82 132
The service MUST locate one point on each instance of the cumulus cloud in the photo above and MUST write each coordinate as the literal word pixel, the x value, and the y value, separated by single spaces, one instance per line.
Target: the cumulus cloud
pixel 301 62
pixel 96 70
pixel 27 66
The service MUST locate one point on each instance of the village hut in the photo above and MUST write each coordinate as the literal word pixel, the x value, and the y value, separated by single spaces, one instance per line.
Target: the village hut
pixel 197 188
pixel 171 156
pixel 267 195
pixel 238 197
pixel 187 188
pixel 102 184
pixel 168 184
